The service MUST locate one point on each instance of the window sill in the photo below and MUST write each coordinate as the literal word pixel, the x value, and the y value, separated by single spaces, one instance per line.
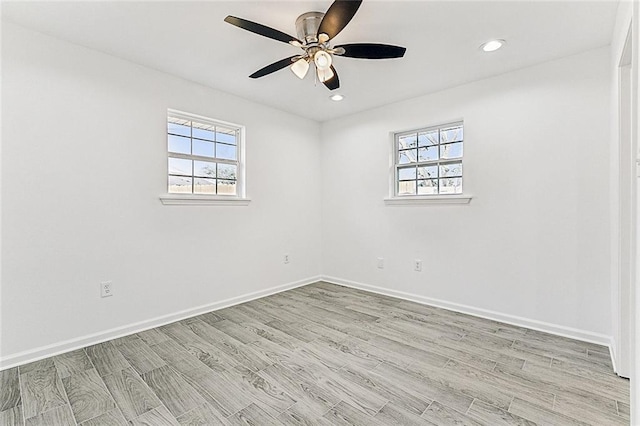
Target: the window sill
pixel 202 200
pixel 428 199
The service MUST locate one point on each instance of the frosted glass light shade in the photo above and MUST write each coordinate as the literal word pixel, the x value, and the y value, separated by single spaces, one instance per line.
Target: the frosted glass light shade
pixel 322 60
pixel 300 68
pixel 324 75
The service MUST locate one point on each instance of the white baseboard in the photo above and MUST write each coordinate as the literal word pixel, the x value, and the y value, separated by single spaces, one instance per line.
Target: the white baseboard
pixel 559 330
pixel 102 336
pixel 95 338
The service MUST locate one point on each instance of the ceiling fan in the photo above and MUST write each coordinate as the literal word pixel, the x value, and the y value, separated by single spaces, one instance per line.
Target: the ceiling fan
pixel 315 31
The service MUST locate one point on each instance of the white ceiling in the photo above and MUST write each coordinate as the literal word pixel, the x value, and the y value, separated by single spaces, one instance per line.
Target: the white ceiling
pixel 190 40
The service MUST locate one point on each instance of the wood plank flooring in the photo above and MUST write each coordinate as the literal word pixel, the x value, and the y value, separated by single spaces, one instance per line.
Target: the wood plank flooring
pixel 322 355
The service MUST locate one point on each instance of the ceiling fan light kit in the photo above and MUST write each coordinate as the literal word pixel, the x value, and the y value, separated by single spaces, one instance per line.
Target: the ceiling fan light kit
pixel 315 30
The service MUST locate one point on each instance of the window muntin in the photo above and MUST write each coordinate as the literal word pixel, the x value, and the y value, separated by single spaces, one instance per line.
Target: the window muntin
pixel 203 156
pixel 429 161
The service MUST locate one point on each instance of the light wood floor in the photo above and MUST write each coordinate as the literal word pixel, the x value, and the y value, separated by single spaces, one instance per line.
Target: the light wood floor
pixel 322 355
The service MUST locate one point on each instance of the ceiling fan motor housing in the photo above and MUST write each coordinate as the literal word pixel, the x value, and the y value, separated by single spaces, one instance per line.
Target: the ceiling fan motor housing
pixel 307 26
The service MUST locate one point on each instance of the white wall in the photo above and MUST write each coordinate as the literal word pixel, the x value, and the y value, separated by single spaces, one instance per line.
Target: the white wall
pixel 83 164
pixel 533 245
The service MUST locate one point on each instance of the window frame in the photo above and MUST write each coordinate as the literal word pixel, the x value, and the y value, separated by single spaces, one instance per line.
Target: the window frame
pixel 453 198
pixel 239 198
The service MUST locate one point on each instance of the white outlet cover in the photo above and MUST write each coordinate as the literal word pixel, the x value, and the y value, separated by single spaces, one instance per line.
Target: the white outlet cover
pixel 380 263
pixel 417 265
pixel 106 289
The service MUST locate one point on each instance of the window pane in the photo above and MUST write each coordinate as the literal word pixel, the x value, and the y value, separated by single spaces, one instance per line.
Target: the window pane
pixel 408 141
pixel 451 134
pixel 179 166
pixel 203 131
pixel 179 129
pixel 227 171
pixel 204 169
pixel 203 148
pixel 226 135
pixel 441 149
pixel 453 150
pixel 427 172
pixel 406 173
pixel 204 186
pixel 407 187
pixel 226 152
pixel 226 187
pixel 179 184
pixel 428 138
pixel 451 186
pixel 179 144
pixel 452 169
pixel 428 153
pixel 407 156
pixel 428 186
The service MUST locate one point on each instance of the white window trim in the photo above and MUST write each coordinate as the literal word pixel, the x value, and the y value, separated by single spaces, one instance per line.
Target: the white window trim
pixel 202 200
pixel 171 199
pixel 407 200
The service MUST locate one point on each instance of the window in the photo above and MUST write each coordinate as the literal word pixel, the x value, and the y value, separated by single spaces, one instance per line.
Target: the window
pixel 429 161
pixel 204 156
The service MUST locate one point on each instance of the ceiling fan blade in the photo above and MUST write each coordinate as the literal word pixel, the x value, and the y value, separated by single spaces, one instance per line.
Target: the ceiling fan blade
pixel 276 66
pixel 371 51
pixel 337 17
pixel 262 30
pixel 334 82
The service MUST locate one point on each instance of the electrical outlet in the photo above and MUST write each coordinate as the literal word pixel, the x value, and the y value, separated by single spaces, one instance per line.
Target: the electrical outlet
pixel 380 263
pixel 106 289
pixel 417 265
pixel 285 258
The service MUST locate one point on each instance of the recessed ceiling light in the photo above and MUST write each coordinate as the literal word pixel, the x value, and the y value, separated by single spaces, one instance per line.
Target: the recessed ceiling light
pixel 337 97
pixel 492 45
